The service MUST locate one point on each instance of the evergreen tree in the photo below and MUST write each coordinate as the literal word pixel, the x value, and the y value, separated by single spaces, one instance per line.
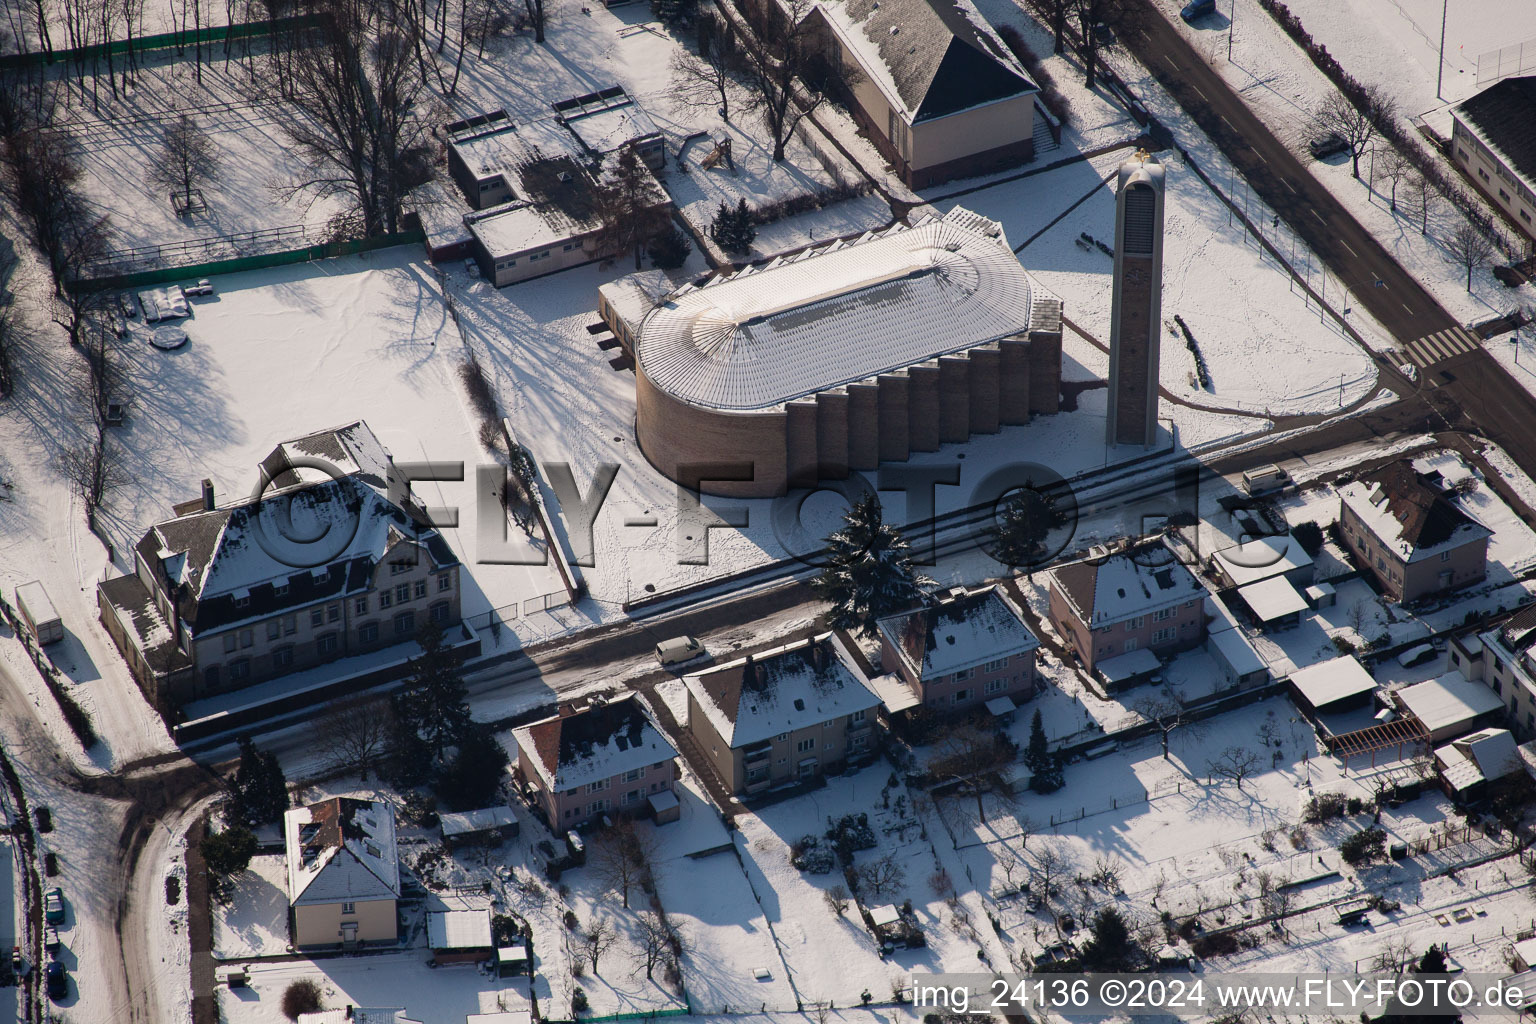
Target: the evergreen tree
pixel 408 760
pixel 226 854
pixel 469 781
pixel 629 204
pixel 1432 962
pixel 1111 947
pixel 1022 525
pixel 733 230
pixel 670 249
pixel 1044 766
pixel 869 573
pixel 433 704
pixel 258 789
pixel 674 12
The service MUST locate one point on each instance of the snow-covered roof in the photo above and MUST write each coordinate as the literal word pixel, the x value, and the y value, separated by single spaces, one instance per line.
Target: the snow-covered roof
pixel 1138 580
pixel 1273 598
pixel 632 296
pixel 341 850
pixel 357 1015
pixel 1447 701
pixel 1330 681
pixel 1503 117
pixel 1130 665
pixel 1219 617
pixel 928 58
pixel 463 823
pixel 459 929
pixel 1234 649
pixel 605 120
pixel 840 313
pixel 1260 558
pixel 893 691
pixel 251 559
pixel 959 632
pixel 501 1017
pixel 1408 513
pixel 1479 757
pixel 582 745
pixel 802 684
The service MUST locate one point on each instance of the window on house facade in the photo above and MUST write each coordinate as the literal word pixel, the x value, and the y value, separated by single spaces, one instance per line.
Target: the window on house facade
pixel 333 613
pixel 396 568
pixel 444 582
pixel 597 806
pixel 325 643
pixel 781 737
pixel 1135 623
pixel 996 666
pixel 857 716
pixel 1445 556
pixel 439 612
pixel 317 616
pixel 964 674
pixel 633 774
pixel 996 685
pixel 598 786
pixel 961 696
pixel 384 599
pixel 1131 644
pixel 273 629
pixel 282 657
pixel 360 606
pixel 229 642
pixel 245 638
pixel 806 746
pixel 290 625
pixel 242 602
pixel 405 623
pixel 240 669
pixel 368 633
pixel 633 796
pixel 403 593
pixel 280 589
pixel 421 588
pixel 1162 636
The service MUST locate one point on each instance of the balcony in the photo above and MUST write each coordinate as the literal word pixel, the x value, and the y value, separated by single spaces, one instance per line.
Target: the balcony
pixel 757 755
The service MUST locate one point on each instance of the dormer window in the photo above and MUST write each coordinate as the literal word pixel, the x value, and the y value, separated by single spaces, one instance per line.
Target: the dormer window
pixel 396 568
pixel 280 589
pixel 243 601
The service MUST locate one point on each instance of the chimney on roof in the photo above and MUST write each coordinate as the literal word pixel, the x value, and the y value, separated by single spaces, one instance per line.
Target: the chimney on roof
pixel 818 656
pixel 207 495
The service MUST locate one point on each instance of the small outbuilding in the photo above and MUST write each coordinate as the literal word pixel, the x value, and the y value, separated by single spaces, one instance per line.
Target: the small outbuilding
pixel 460 936
pixel 1275 602
pixel 1449 706
pixel 1127 670
pixel 1467 766
pixel 1263 558
pixel 1236 658
pixel 1332 686
pixel 489 826
pixel 512 960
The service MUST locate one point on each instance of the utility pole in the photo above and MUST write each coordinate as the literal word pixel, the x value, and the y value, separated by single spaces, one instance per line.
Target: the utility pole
pixel 1232 27
pixel 1440 68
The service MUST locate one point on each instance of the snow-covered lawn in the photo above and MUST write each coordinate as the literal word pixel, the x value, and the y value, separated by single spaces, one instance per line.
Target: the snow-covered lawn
pixel 255 923
pixel 400 980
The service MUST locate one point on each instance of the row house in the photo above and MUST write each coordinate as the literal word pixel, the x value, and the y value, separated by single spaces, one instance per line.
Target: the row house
pixel 789 714
pixel 594 759
pixel 226 596
pixel 966 650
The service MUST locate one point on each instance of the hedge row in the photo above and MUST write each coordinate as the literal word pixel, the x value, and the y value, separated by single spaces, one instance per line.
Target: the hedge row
pixel 1050 92
pixel 1356 93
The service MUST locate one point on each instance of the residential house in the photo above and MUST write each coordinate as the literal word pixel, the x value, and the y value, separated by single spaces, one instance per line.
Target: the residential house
pixel 593 759
pixel 343 873
pixel 1140 598
pixel 791 713
pixel 933 85
pixel 535 193
pixel 226 596
pixel 1470 765
pixel 1493 139
pixel 357 1015
pixel 1408 532
pixel 1503 658
pixel 966 650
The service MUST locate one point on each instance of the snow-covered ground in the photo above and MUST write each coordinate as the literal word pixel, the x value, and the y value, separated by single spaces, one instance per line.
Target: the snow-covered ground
pixel 255 921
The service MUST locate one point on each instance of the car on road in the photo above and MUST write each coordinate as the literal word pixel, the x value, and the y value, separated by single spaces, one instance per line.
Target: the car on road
pixel 678 650
pixel 53 906
pixel 58 981
pixel 1197 9
pixel 1325 146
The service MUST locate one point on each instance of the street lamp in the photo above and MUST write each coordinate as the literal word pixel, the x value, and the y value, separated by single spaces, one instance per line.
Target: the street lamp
pixel 1232 27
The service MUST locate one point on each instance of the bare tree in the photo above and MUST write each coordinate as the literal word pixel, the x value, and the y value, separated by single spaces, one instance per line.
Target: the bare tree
pixel 630 207
pixel 704 80
pixel 880 876
pixel 1235 764
pixel 837 900
pixel 621 856
pixel 75 305
pixel 42 172
pixel 12 336
pixel 355 733
pixel 93 467
pixel 1357 126
pixel 1089 14
pixel 1396 168
pixel 1274 898
pixel 1167 713
pixel 653 944
pixel 971 756
pixel 598 940
pixel 1054 14
pixel 536 18
pixel 1395 953
pixel 352 120
pixel 1421 198
pixel 185 163
pixel 789 72
pixel 1469 247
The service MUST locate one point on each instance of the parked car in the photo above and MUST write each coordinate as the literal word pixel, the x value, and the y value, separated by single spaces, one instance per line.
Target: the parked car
pixel 1325 146
pixel 44 815
pixel 1103 34
pixel 203 287
pixel 50 938
pixel 58 981
pixel 471 268
pixel 127 305
pixel 678 650
pixel 53 906
pixel 1197 9
pixel 18 963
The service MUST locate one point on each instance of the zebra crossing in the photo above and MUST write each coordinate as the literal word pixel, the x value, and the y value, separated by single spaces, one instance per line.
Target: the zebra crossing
pixel 1433 348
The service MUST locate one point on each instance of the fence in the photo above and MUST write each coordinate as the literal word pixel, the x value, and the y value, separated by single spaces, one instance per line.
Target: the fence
pixel 163 41
pixel 306 254
pixel 524 608
pixel 193 251
pixel 1506 61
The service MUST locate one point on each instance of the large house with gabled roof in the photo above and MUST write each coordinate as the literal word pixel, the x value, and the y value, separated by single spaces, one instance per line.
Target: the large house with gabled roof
pixel 595 758
pixel 226 596
pixel 966 650
pixel 343 873
pixel 787 714
pixel 937 90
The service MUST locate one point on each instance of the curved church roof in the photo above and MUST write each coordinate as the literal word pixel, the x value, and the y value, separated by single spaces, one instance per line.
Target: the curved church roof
pixel 835 315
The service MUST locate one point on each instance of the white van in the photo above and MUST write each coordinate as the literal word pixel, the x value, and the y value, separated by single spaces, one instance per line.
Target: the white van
pixel 38 613
pixel 1264 478
pixel 678 650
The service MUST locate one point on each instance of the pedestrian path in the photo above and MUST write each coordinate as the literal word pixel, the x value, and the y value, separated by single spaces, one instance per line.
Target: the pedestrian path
pixel 1433 348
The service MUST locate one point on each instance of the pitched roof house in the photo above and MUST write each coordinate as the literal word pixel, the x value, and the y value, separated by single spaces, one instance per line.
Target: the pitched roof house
pixel 224 596
pixel 343 872
pixel 1493 139
pixel 1127 603
pixel 1408 531
pixel 968 649
pixel 939 92
pixel 785 714
pixel 592 759
pixel 1468 764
